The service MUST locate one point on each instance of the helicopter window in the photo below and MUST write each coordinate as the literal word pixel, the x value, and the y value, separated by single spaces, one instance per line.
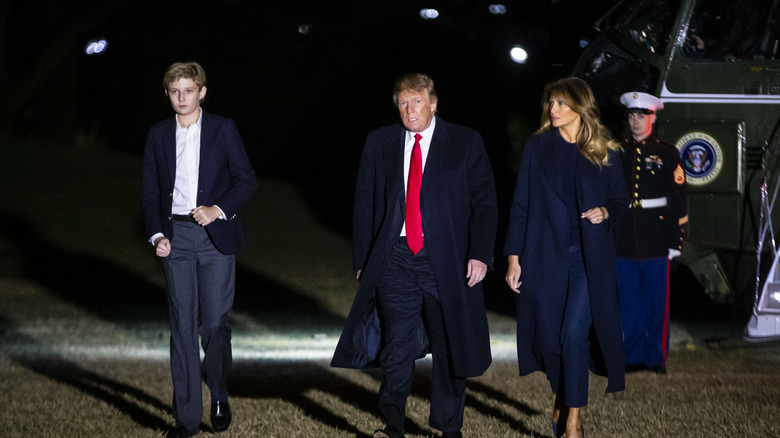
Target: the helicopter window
pixel 647 22
pixel 730 31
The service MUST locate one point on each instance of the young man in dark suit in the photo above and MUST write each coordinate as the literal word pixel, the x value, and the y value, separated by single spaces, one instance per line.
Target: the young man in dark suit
pixel 424 230
pixel 196 177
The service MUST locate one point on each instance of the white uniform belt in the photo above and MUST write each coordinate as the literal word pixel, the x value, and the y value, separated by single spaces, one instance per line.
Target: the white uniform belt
pixel 650 203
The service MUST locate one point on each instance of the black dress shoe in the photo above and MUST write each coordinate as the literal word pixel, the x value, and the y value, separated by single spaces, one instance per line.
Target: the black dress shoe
pixel 455 434
pixel 220 416
pixel 179 432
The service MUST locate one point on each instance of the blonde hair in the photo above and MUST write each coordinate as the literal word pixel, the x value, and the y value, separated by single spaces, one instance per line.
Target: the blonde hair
pixel 186 70
pixel 415 82
pixel 593 139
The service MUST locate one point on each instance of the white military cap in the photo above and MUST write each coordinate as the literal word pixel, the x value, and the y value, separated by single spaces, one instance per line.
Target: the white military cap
pixel 638 102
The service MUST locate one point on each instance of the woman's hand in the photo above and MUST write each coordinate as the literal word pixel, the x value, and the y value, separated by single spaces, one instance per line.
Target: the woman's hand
pixel 596 215
pixel 513 274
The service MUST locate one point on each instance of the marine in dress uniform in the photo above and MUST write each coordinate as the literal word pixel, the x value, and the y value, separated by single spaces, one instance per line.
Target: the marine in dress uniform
pixel 649 236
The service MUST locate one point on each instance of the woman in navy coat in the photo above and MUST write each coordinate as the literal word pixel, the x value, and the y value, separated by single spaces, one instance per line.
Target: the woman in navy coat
pixel 569 192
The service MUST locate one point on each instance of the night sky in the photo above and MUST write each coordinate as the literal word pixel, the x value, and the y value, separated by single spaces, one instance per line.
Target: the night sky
pixel 303 102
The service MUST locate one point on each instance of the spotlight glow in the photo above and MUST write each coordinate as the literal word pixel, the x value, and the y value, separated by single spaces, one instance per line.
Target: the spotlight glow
pixel 497 9
pixel 518 55
pixel 95 47
pixel 429 14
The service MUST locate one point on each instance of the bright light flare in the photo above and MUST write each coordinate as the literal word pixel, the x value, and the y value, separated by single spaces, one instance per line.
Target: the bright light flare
pixel 429 14
pixel 518 54
pixel 497 9
pixel 96 47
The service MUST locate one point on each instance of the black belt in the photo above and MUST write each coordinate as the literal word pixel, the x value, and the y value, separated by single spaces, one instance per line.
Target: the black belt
pixel 184 218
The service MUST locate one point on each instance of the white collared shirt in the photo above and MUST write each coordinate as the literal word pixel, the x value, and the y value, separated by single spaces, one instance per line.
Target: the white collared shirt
pixel 185 187
pixel 425 146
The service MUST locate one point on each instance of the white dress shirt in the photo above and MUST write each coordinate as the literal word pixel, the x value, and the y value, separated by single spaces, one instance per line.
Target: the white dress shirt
pixel 185 187
pixel 425 146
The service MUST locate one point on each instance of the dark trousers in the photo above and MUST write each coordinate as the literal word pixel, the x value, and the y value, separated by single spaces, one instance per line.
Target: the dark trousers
pixel 577 319
pixel 201 286
pixel 643 286
pixel 408 297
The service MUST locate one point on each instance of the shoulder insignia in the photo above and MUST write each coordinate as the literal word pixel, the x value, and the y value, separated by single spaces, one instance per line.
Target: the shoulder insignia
pixel 679 175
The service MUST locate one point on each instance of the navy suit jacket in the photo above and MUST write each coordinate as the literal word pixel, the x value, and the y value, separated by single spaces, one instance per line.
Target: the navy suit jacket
pixel 459 215
pixel 225 179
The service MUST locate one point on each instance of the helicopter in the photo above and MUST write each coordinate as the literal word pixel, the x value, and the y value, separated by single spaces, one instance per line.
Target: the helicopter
pixel 715 64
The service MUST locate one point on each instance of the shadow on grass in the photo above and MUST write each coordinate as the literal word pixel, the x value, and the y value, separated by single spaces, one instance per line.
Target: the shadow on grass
pixel 280 308
pixel 295 381
pixel 292 381
pixel 126 398
pixel 492 393
pixel 114 294
pixel 422 388
pixel 103 288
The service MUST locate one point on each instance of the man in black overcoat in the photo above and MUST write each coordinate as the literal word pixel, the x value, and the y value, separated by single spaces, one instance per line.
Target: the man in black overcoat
pixel 420 255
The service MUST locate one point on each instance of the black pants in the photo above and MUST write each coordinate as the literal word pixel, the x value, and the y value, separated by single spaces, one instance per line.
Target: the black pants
pixel 409 302
pixel 201 287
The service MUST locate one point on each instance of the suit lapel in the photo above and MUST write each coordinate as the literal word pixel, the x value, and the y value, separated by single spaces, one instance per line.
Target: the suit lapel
pixel 208 133
pixel 169 149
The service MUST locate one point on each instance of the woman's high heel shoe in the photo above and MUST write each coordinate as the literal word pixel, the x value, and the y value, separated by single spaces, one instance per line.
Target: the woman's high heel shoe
pixel 555 430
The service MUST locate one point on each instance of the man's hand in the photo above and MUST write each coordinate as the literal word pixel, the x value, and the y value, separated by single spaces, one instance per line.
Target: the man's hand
pixel 513 272
pixel 205 215
pixel 162 247
pixel 475 272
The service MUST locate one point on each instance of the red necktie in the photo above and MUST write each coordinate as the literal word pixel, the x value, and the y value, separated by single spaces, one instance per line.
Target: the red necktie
pixel 414 234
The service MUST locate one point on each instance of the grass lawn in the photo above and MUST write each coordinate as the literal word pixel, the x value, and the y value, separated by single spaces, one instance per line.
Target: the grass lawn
pixel 83 329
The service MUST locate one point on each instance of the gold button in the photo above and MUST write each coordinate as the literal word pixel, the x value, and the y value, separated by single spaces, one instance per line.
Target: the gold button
pixel 636 195
pixel 636 186
pixel 637 176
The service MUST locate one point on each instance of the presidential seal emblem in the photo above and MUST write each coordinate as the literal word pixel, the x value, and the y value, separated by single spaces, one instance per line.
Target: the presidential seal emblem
pixel 701 156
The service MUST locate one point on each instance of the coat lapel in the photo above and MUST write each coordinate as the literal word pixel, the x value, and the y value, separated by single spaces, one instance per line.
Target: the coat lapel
pixel 548 163
pixel 437 154
pixel 394 168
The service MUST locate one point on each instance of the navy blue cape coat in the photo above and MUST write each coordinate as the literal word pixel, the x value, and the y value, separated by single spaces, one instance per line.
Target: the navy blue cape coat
pixel 459 215
pixel 538 234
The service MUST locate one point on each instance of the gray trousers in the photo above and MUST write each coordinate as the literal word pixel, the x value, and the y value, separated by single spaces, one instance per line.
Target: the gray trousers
pixel 201 287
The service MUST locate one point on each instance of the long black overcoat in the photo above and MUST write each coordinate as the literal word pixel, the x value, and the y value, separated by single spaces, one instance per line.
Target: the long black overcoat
pixel 459 216
pixel 538 234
